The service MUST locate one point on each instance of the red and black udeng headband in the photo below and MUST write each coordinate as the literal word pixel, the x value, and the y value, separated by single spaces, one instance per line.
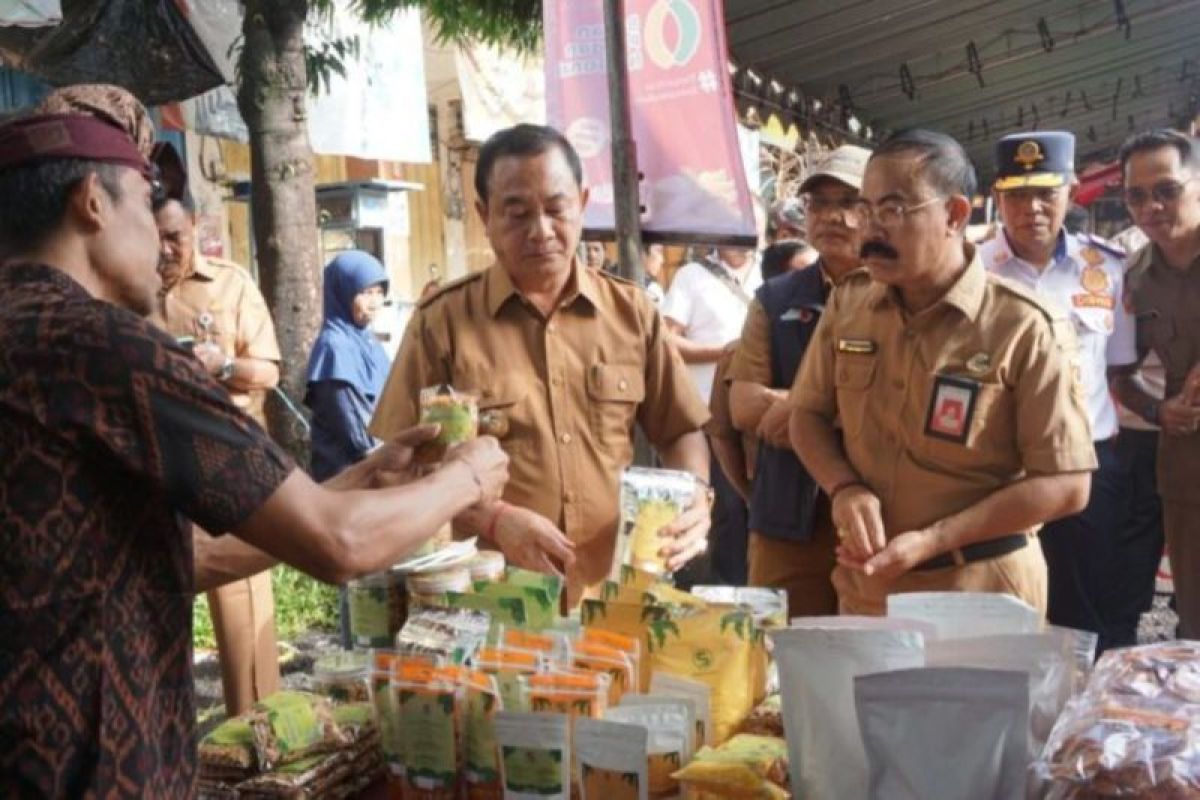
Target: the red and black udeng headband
pixel 51 136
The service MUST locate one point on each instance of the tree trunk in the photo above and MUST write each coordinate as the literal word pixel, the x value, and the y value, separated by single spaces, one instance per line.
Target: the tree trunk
pixel 271 96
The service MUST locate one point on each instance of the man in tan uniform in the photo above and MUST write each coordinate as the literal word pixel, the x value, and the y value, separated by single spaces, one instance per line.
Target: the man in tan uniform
pixel 962 421
pixel 792 541
pixel 1162 191
pixel 573 357
pixel 216 305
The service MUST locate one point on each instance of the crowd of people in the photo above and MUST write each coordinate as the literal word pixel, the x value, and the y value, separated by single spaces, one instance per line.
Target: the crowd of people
pixel 872 404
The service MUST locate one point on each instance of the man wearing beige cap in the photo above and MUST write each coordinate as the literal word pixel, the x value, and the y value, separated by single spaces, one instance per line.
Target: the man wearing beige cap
pixel 792 540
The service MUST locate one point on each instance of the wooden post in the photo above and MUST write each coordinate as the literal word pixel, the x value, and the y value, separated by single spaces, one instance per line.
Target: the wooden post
pixel 624 151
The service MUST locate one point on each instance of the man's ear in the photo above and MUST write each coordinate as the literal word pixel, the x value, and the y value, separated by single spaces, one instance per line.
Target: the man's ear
pixel 959 211
pixel 481 209
pixel 1072 190
pixel 584 195
pixel 89 203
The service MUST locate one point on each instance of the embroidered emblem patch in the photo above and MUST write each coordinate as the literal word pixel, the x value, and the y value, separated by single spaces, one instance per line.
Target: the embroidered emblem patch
pixel 979 363
pixel 951 408
pixel 1094 279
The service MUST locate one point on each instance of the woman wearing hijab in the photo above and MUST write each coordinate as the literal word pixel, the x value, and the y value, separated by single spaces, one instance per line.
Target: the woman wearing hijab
pixel 348 365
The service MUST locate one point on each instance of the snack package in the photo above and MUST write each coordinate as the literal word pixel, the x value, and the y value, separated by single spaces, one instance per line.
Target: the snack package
pixel 629 645
pixel 963 615
pixel 343 677
pixel 552 585
pixel 684 705
pixel 383 663
pixel 627 619
pixel 482 773
pixel 541 607
pixel 720 647
pixel 291 726
pixel 632 576
pixel 226 758
pixel 443 635
pixel 486 565
pixel 1135 730
pixel 746 766
pixel 507 665
pixel 1045 658
pixel 378 608
pixel 429 719
pixel 669 740
pixel 317 776
pixel 650 499
pixel 1083 651
pixel 766 719
pixel 597 657
pixel 945 733
pixel 535 755
pixel 817 667
pixel 506 612
pixel 613 760
pixel 583 694
pixel 457 414
pixel 767 606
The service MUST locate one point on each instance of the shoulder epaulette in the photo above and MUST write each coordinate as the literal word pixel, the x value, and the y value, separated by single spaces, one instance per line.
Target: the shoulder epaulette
pixel 453 285
pixel 1051 313
pixel 1100 243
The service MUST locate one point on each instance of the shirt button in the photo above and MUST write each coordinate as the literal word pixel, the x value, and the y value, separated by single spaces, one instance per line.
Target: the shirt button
pixel 551 327
pixel 565 438
pixel 622 385
pixel 569 497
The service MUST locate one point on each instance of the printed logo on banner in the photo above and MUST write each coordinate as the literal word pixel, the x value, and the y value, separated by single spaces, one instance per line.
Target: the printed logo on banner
pixel 672 33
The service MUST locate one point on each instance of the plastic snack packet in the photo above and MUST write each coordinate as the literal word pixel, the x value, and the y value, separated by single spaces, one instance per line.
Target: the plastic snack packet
pixel 650 500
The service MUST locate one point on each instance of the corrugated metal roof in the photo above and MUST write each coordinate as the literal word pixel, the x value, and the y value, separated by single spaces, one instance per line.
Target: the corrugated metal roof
pixel 978 69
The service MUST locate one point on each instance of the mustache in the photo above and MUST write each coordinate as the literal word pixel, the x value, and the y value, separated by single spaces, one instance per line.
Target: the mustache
pixel 875 248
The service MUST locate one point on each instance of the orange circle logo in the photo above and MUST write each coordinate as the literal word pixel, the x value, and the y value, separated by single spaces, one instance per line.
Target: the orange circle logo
pixel 1095 280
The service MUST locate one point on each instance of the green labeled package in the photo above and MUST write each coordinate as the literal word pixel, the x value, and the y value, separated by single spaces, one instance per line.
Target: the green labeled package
pixel 535 755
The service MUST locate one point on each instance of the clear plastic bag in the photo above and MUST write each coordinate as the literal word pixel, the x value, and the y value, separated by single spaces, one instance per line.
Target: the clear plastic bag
pixel 1134 732
pixel 650 500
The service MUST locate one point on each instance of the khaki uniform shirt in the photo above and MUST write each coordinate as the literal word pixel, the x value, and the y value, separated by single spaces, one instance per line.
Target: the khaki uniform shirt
pixel 940 409
pixel 1166 304
pixel 572 385
pixel 223 295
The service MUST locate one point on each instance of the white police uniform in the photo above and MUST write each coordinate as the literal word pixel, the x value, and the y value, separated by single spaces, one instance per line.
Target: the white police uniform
pixel 1085 280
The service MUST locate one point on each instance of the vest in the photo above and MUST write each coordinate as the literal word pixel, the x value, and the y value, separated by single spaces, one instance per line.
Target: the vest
pixel 784 494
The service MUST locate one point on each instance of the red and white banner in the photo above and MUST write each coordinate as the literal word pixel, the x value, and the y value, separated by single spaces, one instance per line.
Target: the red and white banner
pixel 694 186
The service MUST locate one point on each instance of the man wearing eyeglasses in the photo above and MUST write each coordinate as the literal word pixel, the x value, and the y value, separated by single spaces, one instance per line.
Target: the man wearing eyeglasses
pixel 936 404
pixel 1162 191
pixel 792 540
pixel 1082 277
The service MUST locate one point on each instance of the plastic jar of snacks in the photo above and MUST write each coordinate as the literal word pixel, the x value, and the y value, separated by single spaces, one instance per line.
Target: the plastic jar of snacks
pixel 343 677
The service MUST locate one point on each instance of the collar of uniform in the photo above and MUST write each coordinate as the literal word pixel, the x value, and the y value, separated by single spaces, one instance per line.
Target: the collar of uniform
pixel 201 268
pixel 499 286
pixel 966 294
pixel 1156 263
pixel 1064 247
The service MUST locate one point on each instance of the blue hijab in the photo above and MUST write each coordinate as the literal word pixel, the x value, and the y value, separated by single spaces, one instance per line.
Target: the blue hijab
pixel 343 350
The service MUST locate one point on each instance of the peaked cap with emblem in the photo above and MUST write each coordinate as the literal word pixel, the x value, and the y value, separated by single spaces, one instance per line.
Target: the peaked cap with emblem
pixel 1040 159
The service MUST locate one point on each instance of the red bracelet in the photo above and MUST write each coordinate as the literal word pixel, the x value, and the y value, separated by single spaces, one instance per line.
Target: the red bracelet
pixel 501 507
pixel 844 485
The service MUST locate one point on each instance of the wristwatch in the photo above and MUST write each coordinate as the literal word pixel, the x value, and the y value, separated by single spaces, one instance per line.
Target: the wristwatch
pixel 226 371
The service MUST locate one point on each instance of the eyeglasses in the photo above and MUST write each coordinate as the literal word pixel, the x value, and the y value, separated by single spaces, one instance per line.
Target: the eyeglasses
pixel 889 213
pixel 817 204
pixel 1162 193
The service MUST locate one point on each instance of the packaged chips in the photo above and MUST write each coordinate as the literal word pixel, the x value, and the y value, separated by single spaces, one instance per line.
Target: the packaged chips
pixel 650 500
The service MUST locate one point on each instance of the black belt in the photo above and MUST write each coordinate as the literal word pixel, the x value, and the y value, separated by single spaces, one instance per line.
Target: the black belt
pixel 993 548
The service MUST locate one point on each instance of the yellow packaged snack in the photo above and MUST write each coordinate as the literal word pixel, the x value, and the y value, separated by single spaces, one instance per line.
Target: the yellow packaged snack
pixel 627 619
pixel 612 760
pixel 578 695
pixel 745 767
pixel 596 657
pixel 650 500
pixel 630 645
pixel 720 647
pixel 669 738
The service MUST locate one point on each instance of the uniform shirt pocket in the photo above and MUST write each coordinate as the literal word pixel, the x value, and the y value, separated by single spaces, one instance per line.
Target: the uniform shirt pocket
pixel 506 400
pixel 852 378
pixel 614 392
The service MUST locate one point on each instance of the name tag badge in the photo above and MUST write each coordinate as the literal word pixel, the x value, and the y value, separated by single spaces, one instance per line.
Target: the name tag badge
pixel 951 408
pixel 862 347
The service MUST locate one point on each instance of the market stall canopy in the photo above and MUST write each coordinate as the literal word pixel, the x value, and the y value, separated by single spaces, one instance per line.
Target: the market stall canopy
pixel 976 69
pixel 146 46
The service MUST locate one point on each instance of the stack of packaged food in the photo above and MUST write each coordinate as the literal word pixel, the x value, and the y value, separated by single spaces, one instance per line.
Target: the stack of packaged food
pixel 293 745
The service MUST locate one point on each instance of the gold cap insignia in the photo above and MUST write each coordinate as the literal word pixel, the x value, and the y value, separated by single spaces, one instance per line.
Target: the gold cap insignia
pixel 1029 154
